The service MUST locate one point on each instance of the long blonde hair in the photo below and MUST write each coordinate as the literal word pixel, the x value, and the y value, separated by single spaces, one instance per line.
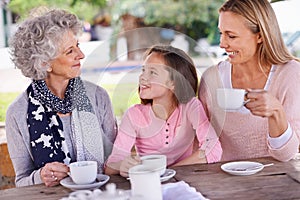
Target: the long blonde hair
pixel 260 18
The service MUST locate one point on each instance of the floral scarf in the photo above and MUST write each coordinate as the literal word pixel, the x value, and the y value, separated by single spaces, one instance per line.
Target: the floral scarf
pixel 46 129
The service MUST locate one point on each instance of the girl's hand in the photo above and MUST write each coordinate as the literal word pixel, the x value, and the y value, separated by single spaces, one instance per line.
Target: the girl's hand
pixel 53 172
pixel 127 163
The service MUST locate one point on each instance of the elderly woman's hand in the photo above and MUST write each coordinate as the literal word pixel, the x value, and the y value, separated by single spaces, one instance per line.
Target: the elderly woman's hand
pixel 53 172
pixel 127 163
pixel 262 103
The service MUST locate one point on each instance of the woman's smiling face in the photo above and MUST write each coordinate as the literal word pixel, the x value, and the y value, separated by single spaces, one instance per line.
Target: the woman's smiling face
pixel 154 81
pixel 237 39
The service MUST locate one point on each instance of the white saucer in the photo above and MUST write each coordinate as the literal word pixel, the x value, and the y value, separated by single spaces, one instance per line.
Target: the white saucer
pixel 169 173
pixel 242 168
pixel 68 183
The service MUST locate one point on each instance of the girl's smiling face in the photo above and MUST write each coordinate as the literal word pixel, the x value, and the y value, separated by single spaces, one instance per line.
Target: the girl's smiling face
pixel 154 81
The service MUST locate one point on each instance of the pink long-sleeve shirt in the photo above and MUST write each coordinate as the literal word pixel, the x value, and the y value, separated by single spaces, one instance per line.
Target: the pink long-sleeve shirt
pixel 173 137
pixel 243 135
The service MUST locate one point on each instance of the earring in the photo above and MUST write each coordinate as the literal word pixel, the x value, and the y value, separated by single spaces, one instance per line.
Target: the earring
pixel 49 69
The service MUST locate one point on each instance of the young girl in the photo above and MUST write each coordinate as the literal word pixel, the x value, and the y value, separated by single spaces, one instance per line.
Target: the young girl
pixel 168 118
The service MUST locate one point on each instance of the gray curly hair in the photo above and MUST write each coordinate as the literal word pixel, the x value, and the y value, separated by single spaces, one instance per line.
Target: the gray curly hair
pixel 37 41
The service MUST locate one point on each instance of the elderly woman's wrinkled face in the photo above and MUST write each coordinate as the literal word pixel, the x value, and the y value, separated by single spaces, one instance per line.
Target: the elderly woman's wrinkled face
pixel 67 64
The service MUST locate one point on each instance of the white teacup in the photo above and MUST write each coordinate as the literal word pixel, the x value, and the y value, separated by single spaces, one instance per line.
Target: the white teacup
pixel 231 99
pixel 154 162
pixel 145 183
pixel 83 172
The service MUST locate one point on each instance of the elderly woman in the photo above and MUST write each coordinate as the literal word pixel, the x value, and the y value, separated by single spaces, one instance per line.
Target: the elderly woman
pixel 60 118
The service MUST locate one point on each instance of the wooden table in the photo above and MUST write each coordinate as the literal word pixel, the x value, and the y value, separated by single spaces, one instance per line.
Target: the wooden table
pixel 280 181
pixel 41 192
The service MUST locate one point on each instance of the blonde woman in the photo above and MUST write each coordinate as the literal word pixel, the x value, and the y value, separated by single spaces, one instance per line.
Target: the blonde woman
pixel 258 61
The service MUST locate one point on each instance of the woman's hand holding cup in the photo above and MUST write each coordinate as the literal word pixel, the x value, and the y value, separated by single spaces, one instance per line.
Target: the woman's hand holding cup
pixel 52 173
pixel 262 103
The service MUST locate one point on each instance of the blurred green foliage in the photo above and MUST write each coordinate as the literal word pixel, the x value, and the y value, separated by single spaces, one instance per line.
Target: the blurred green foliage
pixel 122 96
pixel 5 100
pixel 195 18
pixel 84 9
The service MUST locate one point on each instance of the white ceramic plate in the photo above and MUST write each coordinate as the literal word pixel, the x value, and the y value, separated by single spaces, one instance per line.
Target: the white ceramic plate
pixel 68 183
pixel 169 173
pixel 242 168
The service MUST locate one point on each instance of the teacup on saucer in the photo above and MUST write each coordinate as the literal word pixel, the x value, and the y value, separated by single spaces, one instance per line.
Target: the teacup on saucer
pixel 101 180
